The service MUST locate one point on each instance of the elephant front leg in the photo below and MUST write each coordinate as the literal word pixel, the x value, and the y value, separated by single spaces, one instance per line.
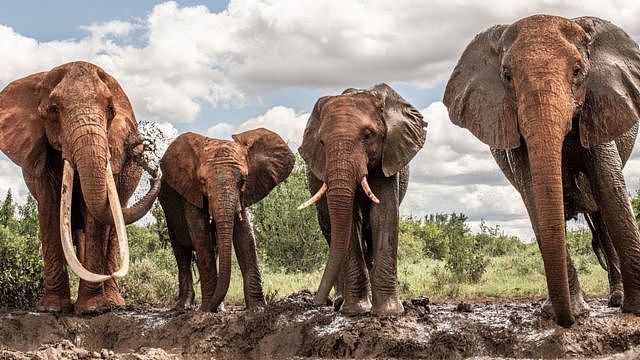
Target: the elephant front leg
pixel 608 257
pixel 111 289
pixel 244 245
pixel 356 280
pixel 613 201
pixel 384 219
pixel 92 296
pixel 204 246
pixel 57 297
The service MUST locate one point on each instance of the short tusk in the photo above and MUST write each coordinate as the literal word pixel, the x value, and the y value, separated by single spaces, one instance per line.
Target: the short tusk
pixel 65 228
pixel 239 211
pixel 314 198
pixel 367 190
pixel 118 220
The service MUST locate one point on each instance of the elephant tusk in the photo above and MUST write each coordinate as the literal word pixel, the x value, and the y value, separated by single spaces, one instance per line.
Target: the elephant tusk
pixel 367 190
pixel 118 220
pixel 239 211
pixel 314 198
pixel 65 228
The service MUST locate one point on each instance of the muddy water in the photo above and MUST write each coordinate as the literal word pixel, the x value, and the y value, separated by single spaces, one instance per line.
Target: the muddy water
pixel 294 328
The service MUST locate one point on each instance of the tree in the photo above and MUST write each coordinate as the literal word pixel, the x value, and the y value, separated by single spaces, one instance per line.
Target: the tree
pixel 160 226
pixel 28 212
pixel 288 239
pixel 8 210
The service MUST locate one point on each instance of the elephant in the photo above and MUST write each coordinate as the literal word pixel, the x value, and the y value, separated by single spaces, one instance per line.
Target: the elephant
pixel 206 186
pixel 72 119
pixel 366 138
pixel 557 101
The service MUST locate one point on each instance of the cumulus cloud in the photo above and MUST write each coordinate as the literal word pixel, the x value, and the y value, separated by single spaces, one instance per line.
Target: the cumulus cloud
pixel 187 57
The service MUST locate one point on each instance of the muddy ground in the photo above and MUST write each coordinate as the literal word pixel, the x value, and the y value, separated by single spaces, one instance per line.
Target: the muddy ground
pixel 295 328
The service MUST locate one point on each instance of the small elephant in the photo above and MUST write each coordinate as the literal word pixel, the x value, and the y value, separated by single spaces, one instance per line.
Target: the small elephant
pixel 357 147
pixel 207 184
pixel 557 100
pixel 72 119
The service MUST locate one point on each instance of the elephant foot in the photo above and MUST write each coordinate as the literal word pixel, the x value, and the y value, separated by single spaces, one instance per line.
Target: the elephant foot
pixel 337 302
pixel 392 306
pixel 630 304
pixel 92 304
pixel 359 307
pixel 255 304
pixel 185 302
pixel 205 307
pixel 54 303
pixel 579 307
pixel 615 298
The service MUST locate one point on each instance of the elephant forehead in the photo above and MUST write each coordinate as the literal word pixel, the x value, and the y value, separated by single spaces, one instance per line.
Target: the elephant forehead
pixel 217 151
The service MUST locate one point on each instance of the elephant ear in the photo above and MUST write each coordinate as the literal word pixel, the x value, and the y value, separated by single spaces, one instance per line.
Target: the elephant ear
pixel 612 98
pixel 476 97
pixel 123 124
pixel 180 164
pixel 405 129
pixel 22 133
pixel 311 149
pixel 270 162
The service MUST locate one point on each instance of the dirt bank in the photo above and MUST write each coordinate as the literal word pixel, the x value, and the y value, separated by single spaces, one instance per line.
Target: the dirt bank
pixel 293 327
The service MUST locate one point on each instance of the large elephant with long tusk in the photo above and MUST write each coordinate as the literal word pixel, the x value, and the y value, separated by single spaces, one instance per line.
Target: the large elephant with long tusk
pixel 73 132
pixel 357 147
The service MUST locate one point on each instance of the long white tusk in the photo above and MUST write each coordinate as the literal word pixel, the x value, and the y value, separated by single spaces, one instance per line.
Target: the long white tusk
pixel 118 220
pixel 65 228
pixel 367 190
pixel 239 211
pixel 314 198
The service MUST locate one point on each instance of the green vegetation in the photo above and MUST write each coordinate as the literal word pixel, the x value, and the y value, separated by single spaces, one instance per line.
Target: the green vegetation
pixel 439 256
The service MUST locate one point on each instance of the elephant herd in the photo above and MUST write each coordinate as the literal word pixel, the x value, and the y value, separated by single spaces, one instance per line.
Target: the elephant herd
pixel 557 100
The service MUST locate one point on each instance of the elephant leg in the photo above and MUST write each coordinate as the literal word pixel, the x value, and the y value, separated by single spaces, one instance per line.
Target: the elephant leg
pixel 92 296
pixel 608 257
pixel 322 212
pixel 57 297
pixel 181 244
pixel 186 294
pixel 610 192
pixel 515 165
pixel 384 221
pixel 356 281
pixel 200 232
pixel 111 289
pixel 244 245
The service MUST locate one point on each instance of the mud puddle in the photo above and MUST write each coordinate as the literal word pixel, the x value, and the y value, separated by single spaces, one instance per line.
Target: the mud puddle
pixel 294 328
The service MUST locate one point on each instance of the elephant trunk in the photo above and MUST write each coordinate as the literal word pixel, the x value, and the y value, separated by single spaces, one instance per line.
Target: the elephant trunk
pixel 223 209
pixel 89 153
pixel 342 176
pixel 544 125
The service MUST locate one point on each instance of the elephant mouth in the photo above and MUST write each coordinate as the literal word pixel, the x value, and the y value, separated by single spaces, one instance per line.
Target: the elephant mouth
pixel 323 189
pixel 65 227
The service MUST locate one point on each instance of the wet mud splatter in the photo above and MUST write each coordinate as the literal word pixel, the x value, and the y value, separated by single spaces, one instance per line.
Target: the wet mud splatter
pixel 294 328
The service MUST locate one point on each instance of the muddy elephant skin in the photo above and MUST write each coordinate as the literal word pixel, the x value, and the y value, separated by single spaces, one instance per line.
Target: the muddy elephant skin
pixel 76 117
pixel 557 101
pixel 357 147
pixel 207 184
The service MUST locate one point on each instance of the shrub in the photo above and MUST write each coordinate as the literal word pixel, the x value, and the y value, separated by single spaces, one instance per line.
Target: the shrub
pixel 289 240
pixel 21 270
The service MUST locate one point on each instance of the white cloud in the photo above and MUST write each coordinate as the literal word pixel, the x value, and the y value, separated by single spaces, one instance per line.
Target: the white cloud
pixel 187 57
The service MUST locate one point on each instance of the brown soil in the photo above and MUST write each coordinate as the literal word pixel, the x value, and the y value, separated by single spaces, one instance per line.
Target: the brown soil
pixel 295 328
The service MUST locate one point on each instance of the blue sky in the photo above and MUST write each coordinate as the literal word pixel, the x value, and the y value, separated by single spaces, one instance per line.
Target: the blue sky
pixel 220 67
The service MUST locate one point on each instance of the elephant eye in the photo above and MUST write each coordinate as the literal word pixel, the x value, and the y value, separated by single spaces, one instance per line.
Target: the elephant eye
pixel 367 134
pixel 111 112
pixel 53 109
pixel 506 75
pixel 577 71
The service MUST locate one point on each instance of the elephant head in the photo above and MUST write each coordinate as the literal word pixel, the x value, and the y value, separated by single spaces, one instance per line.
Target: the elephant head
pixel 348 136
pixel 79 113
pixel 224 177
pixel 532 82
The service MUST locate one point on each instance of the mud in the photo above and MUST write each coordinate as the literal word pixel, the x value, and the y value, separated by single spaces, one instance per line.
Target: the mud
pixel 295 328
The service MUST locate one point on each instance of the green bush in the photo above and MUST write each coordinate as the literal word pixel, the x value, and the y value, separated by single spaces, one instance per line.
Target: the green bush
pixel 21 265
pixel 151 280
pixel 289 240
